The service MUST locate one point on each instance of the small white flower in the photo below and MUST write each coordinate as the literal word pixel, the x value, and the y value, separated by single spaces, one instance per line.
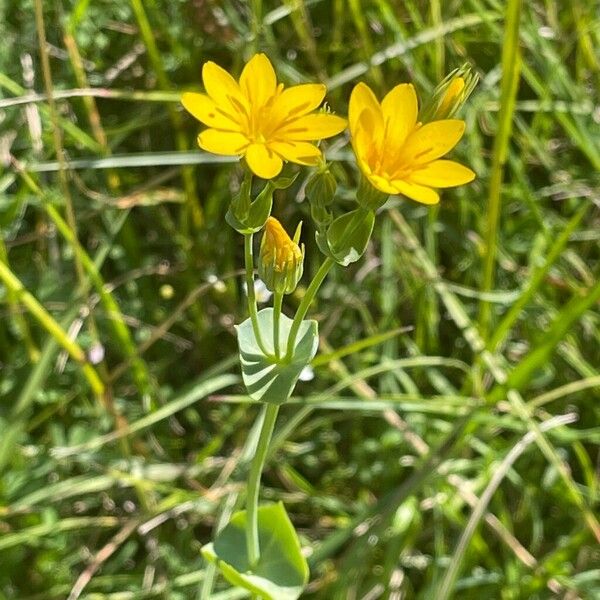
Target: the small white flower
pixel 96 353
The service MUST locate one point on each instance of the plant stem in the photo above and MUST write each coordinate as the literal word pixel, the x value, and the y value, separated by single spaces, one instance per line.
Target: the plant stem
pixel 318 279
pixel 511 71
pixel 268 416
pixel 249 260
pixel 277 302
pixel 309 296
pixel 189 183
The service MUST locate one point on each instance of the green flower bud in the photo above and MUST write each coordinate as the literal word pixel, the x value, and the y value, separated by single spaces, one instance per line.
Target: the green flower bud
pixel 450 95
pixel 240 205
pixel 320 191
pixel 281 259
pixel 320 188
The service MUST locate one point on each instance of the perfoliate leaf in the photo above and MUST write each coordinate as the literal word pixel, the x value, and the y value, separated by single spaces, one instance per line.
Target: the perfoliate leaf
pixel 281 572
pixel 265 379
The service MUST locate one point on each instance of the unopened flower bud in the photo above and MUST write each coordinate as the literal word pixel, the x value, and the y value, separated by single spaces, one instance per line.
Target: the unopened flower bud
pixel 320 188
pixel 281 259
pixel 450 95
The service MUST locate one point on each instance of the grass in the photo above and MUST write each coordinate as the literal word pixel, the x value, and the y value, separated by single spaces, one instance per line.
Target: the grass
pixel 448 444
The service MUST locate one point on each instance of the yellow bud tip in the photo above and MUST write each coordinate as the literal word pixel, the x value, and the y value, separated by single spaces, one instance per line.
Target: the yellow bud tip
pixel 279 247
pixel 457 85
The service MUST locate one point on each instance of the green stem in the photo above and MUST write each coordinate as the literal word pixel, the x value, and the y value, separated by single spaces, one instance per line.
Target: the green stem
pixel 147 35
pixel 309 296
pixel 277 302
pixel 318 279
pixel 511 71
pixel 268 416
pixel 257 18
pixel 252 310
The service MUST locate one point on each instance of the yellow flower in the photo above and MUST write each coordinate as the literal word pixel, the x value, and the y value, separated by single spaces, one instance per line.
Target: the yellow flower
pixel 281 259
pixel 258 119
pixel 399 155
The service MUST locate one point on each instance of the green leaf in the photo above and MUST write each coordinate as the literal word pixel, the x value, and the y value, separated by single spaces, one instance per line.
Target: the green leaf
pixel 253 218
pixel 284 182
pixel 266 379
pixel 347 238
pixel 260 209
pixel 322 243
pixel 281 572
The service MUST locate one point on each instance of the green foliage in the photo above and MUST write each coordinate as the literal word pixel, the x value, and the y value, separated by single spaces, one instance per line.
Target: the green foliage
pixel 266 379
pixel 347 237
pixel 382 458
pixel 249 216
pixel 281 572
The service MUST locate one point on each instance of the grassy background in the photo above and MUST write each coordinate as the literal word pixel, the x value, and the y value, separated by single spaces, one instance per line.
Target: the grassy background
pixel 448 445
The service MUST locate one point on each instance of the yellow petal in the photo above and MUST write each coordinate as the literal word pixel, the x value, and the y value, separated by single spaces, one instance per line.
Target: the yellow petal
pixel 400 109
pixel 205 110
pixel 258 81
pixel 451 97
pixel 297 101
pixel 263 161
pixel 442 173
pixel 367 139
pixel 361 98
pixel 301 153
pixel 420 193
pixel 312 127
pixel 223 89
pixel 382 184
pixel 432 141
pixel 222 142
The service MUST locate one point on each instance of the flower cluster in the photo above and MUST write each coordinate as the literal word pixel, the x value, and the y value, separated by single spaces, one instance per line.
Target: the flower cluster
pixel 397 152
pixel 399 148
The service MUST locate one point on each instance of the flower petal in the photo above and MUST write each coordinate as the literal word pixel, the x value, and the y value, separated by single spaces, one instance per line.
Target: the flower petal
pixel 367 139
pixel 361 98
pixel 205 110
pixel 400 109
pixel 223 89
pixel 432 141
pixel 258 81
pixel 263 161
pixel 442 173
pixel 228 143
pixel 382 184
pixel 297 101
pixel 312 127
pixel 301 153
pixel 420 193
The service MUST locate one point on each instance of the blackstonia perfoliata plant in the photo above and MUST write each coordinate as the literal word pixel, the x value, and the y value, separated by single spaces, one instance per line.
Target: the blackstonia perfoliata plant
pixel 398 149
